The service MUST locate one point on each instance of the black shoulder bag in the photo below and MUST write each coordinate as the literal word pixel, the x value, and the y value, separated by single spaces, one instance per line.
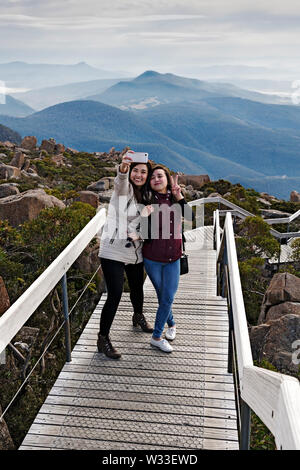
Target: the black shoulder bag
pixel 184 265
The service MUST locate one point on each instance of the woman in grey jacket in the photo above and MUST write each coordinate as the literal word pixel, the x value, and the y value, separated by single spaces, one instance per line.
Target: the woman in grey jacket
pixel 119 252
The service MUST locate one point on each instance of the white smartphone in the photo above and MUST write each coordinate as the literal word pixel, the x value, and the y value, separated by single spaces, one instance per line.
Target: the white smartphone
pixel 138 157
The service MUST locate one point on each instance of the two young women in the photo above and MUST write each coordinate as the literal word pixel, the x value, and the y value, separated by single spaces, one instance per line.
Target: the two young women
pixel 122 248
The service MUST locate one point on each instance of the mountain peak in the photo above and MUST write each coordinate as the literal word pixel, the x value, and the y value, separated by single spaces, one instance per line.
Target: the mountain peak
pixel 148 74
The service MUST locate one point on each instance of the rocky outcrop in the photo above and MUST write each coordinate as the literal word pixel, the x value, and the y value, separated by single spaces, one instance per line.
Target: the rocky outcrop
pixel 29 143
pixel 26 206
pixel 197 181
pixel 295 196
pixel 273 214
pixel 8 172
pixel 279 323
pixel 8 189
pixel 52 147
pixel 89 197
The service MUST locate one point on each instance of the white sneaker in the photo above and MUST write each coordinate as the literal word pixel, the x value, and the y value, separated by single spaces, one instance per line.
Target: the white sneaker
pixel 171 333
pixel 161 344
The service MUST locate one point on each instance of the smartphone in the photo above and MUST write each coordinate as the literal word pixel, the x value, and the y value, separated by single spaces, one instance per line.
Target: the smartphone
pixel 138 157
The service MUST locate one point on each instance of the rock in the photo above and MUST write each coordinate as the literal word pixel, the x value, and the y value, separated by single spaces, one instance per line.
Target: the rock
pixel 4 298
pixel 263 201
pixel 274 342
pixel 48 145
pixel 9 145
pixel 89 197
pixel 258 336
pixel 214 195
pixel 59 149
pixel 6 442
pixel 29 143
pixel 105 196
pixel 285 308
pixel 26 165
pixel 197 181
pixel 3 155
pixel 70 150
pixel 268 197
pixel 284 287
pixel 26 206
pixel 88 261
pixel 18 160
pixel 295 196
pixel 26 336
pixel 101 185
pixel 278 323
pixel 7 189
pixel 8 172
pixel 59 160
pixel 273 214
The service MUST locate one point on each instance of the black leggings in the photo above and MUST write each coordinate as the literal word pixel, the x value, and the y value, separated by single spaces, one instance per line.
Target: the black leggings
pixel 113 272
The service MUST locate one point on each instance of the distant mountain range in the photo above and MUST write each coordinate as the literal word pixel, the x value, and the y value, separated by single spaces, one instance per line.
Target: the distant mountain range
pixel 152 88
pixel 189 125
pixel 15 107
pixel 23 75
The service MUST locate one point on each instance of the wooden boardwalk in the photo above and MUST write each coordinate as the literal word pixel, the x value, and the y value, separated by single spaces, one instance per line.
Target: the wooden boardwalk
pixel 149 400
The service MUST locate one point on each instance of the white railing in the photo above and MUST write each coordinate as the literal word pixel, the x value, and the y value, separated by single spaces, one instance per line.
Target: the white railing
pixel 274 397
pixel 243 213
pixel 17 315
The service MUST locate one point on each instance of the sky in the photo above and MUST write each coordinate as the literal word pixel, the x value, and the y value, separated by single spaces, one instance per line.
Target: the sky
pixel 178 36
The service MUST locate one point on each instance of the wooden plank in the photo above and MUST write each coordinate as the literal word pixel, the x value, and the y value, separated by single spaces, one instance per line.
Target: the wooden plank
pixel 147 399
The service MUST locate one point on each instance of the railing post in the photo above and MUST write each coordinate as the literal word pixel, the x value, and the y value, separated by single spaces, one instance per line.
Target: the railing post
pixel 245 426
pixel 66 316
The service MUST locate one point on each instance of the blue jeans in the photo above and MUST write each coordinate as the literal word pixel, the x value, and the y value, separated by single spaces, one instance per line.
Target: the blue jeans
pixel 165 279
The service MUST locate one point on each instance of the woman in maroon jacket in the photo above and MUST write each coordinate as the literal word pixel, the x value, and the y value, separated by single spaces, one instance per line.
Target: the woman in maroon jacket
pixel 163 248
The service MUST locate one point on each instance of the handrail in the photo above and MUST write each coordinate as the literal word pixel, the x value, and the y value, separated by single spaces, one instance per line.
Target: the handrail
pixel 21 310
pixel 243 213
pixel 273 396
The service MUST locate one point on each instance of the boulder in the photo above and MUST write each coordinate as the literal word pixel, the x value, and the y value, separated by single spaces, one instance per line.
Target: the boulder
pixel 88 261
pixel 268 197
pixel 273 214
pixel 18 160
pixel 48 145
pixel 274 342
pixel 89 197
pixel 4 298
pixel 284 287
pixel 26 206
pixel 59 149
pixel 59 160
pixel 8 172
pixel 295 196
pixel 6 442
pixel 197 181
pixel 279 310
pixel 29 143
pixel 101 185
pixel 278 324
pixel 7 189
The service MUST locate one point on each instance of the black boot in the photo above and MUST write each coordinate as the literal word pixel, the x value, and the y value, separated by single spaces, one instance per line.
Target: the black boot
pixel 139 319
pixel 105 347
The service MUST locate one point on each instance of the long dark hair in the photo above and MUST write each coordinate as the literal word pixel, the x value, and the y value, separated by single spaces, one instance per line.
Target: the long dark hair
pixel 149 191
pixel 140 194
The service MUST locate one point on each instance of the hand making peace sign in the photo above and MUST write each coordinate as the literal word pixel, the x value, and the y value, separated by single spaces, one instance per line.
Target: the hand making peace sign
pixel 175 188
